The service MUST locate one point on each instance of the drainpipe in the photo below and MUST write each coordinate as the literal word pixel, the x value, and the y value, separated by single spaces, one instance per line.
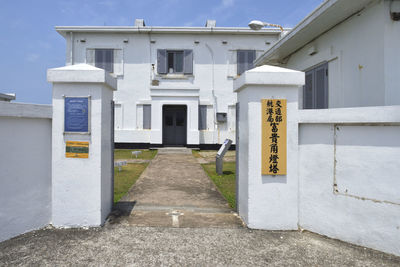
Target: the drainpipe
pixel 213 92
pixel 71 52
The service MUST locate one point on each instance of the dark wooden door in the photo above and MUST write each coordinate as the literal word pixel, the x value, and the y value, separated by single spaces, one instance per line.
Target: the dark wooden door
pixel 174 125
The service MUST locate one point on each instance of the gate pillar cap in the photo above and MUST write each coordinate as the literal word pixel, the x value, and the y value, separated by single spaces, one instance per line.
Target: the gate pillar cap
pixel 269 75
pixel 81 73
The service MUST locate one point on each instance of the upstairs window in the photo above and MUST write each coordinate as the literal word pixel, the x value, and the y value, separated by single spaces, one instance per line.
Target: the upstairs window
pixel 245 60
pixel 104 59
pixel 315 90
pixel 174 61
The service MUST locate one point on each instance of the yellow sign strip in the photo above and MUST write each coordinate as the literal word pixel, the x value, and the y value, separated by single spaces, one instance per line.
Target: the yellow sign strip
pixel 274 136
pixel 75 149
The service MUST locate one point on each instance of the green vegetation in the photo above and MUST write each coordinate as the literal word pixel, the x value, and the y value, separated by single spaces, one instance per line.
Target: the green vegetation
pixel 226 183
pixel 196 153
pixel 127 154
pixel 124 179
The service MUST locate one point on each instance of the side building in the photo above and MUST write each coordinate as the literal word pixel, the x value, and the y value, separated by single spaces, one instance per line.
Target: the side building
pixel 349 51
pixel 174 83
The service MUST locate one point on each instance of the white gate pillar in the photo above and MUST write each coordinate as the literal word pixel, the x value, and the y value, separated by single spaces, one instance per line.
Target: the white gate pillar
pixel 265 201
pixel 81 145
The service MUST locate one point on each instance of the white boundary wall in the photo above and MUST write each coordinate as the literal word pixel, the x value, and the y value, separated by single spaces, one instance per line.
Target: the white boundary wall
pixel 347 181
pixel 349 175
pixel 25 168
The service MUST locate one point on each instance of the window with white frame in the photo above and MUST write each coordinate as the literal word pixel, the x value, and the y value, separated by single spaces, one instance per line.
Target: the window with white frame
pixel 174 61
pixel 315 90
pixel 245 60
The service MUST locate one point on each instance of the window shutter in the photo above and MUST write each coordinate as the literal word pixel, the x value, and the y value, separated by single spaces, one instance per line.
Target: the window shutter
pixel 146 116
pixel 99 59
pixel 308 91
pixel 188 62
pixel 109 60
pixel 202 117
pixel 321 87
pixel 162 61
pixel 118 62
pixel 240 62
pixel 251 56
pixel 90 56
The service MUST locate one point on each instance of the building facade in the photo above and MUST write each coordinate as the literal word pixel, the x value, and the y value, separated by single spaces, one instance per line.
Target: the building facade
pixel 349 51
pixel 174 83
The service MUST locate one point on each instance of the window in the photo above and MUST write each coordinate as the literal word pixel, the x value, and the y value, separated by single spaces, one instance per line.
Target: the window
pixel 174 61
pixel 245 59
pixel 315 90
pixel 202 117
pixel 147 117
pixel 104 59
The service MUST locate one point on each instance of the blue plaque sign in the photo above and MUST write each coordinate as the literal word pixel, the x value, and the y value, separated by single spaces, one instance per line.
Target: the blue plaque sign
pixel 76 116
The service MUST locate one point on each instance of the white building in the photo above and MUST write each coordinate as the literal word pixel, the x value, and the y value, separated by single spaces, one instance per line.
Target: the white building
pixel 349 51
pixel 174 83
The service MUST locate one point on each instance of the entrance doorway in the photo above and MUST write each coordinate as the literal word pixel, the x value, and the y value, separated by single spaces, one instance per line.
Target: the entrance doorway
pixel 174 125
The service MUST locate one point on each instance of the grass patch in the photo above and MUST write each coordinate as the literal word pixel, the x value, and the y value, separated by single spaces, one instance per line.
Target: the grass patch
pixel 127 154
pixel 196 153
pixel 124 179
pixel 226 183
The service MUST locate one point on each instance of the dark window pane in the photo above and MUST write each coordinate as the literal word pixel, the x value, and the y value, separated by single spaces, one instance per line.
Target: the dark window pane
pixel 180 119
pixel 178 68
pixel 169 121
pixel 170 61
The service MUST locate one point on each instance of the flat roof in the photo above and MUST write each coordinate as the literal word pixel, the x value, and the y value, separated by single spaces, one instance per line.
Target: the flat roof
pixel 326 16
pixel 7 96
pixel 63 30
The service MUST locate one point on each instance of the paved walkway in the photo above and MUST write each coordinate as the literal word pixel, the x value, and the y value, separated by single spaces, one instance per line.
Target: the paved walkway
pixel 175 191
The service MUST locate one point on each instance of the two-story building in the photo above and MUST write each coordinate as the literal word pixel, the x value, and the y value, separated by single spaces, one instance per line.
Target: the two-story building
pixel 174 83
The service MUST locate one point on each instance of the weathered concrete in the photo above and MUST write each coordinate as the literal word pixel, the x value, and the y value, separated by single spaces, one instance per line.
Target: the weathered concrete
pixel 142 246
pixel 174 191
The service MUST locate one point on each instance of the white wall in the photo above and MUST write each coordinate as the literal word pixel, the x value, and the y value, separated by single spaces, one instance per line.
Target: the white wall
pixel 349 175
pixel 363 58
pixel 25 168
pixel 135 81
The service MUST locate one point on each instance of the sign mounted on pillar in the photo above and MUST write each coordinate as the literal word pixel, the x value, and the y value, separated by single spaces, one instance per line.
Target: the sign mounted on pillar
pixel 76 114
pixel 76 149
pixel 274 140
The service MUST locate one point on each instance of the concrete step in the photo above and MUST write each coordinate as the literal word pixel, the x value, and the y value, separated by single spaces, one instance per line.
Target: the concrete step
pixel 174 150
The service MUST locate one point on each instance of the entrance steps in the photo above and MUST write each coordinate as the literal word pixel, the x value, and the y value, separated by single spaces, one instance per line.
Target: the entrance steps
pixel 174 150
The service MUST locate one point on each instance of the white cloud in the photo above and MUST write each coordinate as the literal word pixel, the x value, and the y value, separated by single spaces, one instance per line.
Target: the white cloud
pixel 32 57
pixel 227 3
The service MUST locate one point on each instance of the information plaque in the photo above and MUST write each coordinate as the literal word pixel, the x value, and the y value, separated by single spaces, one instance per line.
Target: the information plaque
pixel 76 149
pixel 76 114
pixel 274 127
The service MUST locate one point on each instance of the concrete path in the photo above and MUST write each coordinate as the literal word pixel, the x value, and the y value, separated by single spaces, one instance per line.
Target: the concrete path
pixel 175 191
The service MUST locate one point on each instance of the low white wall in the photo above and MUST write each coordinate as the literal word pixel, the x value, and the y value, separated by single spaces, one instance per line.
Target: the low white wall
pixel 349 182
pixel 25 168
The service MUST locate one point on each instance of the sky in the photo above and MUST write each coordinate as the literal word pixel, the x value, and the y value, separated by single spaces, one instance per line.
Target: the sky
pixel 29 44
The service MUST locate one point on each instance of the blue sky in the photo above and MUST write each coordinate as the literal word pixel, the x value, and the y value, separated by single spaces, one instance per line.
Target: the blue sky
pixel 29 45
